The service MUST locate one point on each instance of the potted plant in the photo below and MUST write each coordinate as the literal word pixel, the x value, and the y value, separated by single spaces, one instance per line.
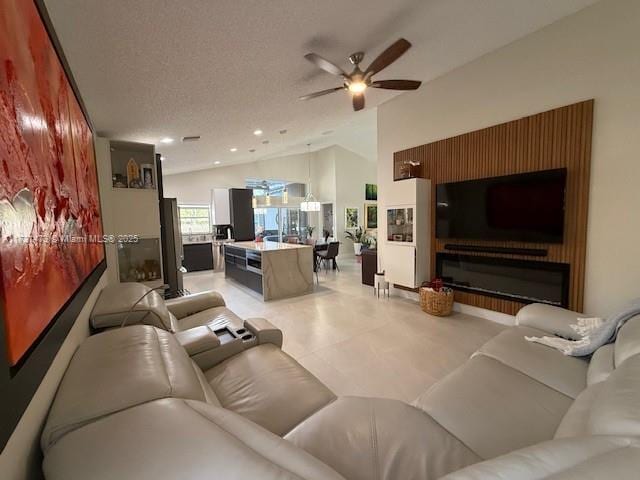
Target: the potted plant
pixel 357 236
pixel 310 230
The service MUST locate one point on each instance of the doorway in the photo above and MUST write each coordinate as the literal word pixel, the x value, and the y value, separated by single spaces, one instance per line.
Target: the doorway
pixel 327 219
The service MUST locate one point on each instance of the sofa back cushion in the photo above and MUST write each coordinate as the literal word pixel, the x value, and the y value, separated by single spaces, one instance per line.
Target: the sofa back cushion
pixel 602 364
pixel 119 369
pixel 608 407
pixel 616 407
pixel 173 439
pixel 575 422
pixel 115 302
pixel 627 343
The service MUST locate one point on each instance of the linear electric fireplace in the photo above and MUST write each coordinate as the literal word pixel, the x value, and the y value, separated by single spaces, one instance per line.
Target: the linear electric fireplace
pixel 519 280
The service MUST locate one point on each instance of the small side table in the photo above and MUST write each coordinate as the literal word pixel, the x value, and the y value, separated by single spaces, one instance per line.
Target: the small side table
pixel 380 283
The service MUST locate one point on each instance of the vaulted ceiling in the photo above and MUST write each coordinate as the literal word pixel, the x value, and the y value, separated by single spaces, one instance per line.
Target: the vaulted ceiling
pixel 149 69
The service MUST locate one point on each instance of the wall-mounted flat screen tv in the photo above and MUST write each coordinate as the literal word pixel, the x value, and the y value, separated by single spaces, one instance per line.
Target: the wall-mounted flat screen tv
pixel 527 207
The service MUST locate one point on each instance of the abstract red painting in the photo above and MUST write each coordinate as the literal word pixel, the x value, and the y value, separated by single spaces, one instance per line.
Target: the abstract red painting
pixel 50 223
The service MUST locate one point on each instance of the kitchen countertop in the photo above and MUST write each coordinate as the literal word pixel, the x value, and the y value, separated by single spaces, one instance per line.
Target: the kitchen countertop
pixel 210 241
pixel 269 246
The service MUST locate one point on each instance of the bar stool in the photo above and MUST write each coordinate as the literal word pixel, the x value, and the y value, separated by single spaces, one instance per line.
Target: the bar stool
pixel 379 282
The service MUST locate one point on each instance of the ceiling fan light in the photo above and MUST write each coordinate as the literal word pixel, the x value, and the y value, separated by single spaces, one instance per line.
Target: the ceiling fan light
pixel 357 87
pixel 285 196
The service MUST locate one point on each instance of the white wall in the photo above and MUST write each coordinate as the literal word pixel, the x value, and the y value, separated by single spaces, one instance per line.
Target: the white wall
pixel 592 54
pixel 21 458
pixel 195 187
pixel 337 175
pixel 352 173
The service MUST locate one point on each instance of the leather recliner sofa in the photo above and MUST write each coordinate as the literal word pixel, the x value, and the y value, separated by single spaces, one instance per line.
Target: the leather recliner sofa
pixel 134 405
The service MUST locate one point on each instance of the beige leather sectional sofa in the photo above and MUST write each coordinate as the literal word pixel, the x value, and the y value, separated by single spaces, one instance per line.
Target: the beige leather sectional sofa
pixel 141 403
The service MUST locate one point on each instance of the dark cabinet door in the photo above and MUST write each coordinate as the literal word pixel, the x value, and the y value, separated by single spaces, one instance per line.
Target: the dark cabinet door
pixel 369 266
pixel 241 211
pixel 198 257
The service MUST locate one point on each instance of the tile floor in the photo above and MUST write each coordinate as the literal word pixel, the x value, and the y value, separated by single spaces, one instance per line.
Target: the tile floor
pixel 355 343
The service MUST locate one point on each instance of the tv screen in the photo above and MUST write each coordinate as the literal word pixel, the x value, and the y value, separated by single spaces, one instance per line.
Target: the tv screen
pixel 527 207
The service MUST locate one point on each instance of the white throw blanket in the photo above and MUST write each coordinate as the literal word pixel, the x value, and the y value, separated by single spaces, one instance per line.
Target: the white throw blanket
pixel 593 333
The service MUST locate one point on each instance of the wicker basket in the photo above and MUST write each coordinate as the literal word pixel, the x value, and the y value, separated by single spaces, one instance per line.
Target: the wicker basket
pixel 435 303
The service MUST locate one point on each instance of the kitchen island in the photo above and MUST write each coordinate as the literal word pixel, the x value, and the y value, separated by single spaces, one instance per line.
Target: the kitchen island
pixel 273 269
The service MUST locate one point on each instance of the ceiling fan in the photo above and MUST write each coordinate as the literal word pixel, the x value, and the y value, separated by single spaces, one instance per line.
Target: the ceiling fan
pixel 358 81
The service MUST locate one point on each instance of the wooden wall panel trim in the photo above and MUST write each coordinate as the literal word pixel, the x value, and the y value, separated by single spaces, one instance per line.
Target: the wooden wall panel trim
pixel 554 139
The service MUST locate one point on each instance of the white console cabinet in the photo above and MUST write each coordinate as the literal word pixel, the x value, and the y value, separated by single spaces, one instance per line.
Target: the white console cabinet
pixel 407 215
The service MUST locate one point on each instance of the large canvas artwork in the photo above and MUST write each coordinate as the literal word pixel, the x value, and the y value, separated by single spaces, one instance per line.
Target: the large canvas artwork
pixel 50 226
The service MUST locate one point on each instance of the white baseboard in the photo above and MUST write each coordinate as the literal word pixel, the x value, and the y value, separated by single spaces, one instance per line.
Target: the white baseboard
pixel 501 318
pixel 497 317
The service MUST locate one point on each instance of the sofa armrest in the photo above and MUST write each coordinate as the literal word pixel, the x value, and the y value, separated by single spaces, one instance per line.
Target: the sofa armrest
pixel 182 307
pixel 264 331
pixel 553 320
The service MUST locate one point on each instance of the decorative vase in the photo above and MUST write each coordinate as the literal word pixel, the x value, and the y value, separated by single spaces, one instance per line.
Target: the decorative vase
pixel 357 247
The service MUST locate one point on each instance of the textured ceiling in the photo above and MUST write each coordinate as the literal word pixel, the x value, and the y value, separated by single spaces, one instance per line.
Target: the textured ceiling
pixel 149 69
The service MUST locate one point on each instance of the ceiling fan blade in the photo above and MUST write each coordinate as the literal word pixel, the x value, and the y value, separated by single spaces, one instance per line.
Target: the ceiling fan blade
pixel 397 84
pixel 387 57
pixel 358 102
pixel 325 65
pixel 320 93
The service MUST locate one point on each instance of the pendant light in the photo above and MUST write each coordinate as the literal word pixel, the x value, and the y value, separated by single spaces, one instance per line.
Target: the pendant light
pixel 254 202
pixel 267 200
pixel 309 204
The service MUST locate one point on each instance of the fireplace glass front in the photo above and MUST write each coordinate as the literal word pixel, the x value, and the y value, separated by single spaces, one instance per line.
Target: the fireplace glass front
pixel 519 280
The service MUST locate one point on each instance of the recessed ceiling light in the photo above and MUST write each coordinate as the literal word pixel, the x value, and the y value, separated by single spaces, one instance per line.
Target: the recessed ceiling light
pixel 217 162
pixel 167 140
pixel 257 132
pixel 234 149
pixel 163 158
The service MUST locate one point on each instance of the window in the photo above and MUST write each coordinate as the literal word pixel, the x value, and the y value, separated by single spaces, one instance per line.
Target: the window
pixel 194 219
pixel 279 224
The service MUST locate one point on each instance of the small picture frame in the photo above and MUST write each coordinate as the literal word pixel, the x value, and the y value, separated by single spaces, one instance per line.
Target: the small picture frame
pixel 351 218
pixel 371 216
pixel 133 174
pixel 146 175
pixel 370 192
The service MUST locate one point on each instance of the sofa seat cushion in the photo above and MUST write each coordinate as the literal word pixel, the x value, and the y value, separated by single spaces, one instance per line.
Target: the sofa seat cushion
pixel 567 375
pixel 586 458
pixel 380 439
pixel 267 386
pixel 493 408
pixel 218 315
pixel 175 439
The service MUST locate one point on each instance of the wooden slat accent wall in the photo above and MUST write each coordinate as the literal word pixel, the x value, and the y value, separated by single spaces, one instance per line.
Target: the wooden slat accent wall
pixel 554 139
